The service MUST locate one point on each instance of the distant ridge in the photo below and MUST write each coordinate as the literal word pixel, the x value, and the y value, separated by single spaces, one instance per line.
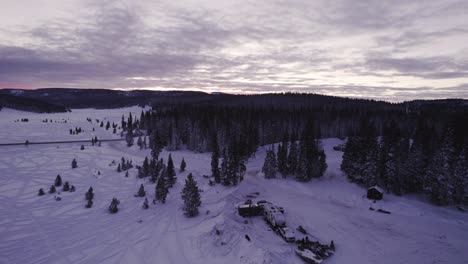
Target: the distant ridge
pixel 29 104
pixel 60 99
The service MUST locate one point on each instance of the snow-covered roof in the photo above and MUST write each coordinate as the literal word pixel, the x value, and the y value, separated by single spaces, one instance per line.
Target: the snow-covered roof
pixel 377 188
pixel 309 255
pixel 248 205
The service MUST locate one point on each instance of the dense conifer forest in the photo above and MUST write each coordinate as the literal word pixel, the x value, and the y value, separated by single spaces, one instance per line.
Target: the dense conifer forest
pixel 414 147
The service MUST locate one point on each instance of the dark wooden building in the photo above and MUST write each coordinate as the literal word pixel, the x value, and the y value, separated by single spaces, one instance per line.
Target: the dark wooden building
pixel 375 193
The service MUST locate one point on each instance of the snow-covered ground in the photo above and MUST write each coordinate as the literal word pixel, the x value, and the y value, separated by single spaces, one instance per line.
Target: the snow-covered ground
pixel 38 229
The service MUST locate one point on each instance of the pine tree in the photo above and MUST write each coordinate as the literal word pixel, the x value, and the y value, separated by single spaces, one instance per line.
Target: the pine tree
pixel 439 171
pixel 82 147
pixel 351 159
pixel 459 181
pixel 89 194
pixel 52 189
pixel 161 189
pixel 292 157
pixel 126 174
pixel 129 138
pixel 58 181
pixel 145 204
pixel 183 165
pixel 191 196
pixel 123 164
pixel 74 164
pixel 66 187
pixel 215 162
pixel 141 191
pixel 224 173
pixel 140 142
pixel 113 206
pixel 119 169
pixel 41 192
pixel 156 144
pixel 283 156
pixel 89 203
pixel 171 174
pixel 269 166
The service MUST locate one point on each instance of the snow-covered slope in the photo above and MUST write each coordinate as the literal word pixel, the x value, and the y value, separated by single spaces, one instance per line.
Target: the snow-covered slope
pixel 37 229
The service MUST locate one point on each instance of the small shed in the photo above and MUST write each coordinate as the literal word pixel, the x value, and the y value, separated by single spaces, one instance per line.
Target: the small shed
pixel 375 193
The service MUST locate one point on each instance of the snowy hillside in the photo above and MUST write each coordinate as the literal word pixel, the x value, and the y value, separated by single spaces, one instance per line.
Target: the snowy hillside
pixel 39 229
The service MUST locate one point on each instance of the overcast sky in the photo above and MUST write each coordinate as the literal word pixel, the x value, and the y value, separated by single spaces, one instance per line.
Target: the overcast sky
pixel 393 50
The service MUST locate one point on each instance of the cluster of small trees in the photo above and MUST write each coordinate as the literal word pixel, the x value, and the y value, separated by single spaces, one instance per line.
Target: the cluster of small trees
pixel 124 165
pixel 232 169
pixel 437 166
pixel 142 142
pixel 304 160
pixel 165 180
pixel 57 183
pixel 75 131
pixel 164 175
pixel 95 141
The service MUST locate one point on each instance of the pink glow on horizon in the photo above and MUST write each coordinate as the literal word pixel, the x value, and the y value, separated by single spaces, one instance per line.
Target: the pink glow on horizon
pixel 4 85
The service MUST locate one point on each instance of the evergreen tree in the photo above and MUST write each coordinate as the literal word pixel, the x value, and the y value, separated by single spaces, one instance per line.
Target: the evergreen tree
pixel 183 165
pixel 283 156
pixel 269 166
pixel 82 147
pixel 52 189
pixel 89 203
pixel 89 194
pixel 191 196
pixel 370 156
pixel 66 187
pixel 292 156
pixel 119 169
pixel 171 174
pixel 140 142
pixel 141 191
pixel 352 159
pixel 74 164
pixel 439 172
pixel 124 164
pixel 215 161
pixel 161 188
pixel 113 206
pixel 126 174
pixel 459 182
pixel 145 204
pixel 58 181
pixel 41 192
pixel 224 173
pixel 156 144
pixel 129 138
pixel 72 188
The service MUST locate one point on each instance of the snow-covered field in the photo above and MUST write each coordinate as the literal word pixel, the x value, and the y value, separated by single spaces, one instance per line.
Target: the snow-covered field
pixel 38 229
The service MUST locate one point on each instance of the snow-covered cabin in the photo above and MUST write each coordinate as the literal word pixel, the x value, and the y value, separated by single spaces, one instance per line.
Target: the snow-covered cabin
pixel 249 210
pixel 375 193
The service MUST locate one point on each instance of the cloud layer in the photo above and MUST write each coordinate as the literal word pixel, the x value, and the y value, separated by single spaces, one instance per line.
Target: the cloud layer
pixel 392 50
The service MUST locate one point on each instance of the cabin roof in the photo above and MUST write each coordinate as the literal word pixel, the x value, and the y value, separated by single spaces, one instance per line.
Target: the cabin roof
pixel 377 188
